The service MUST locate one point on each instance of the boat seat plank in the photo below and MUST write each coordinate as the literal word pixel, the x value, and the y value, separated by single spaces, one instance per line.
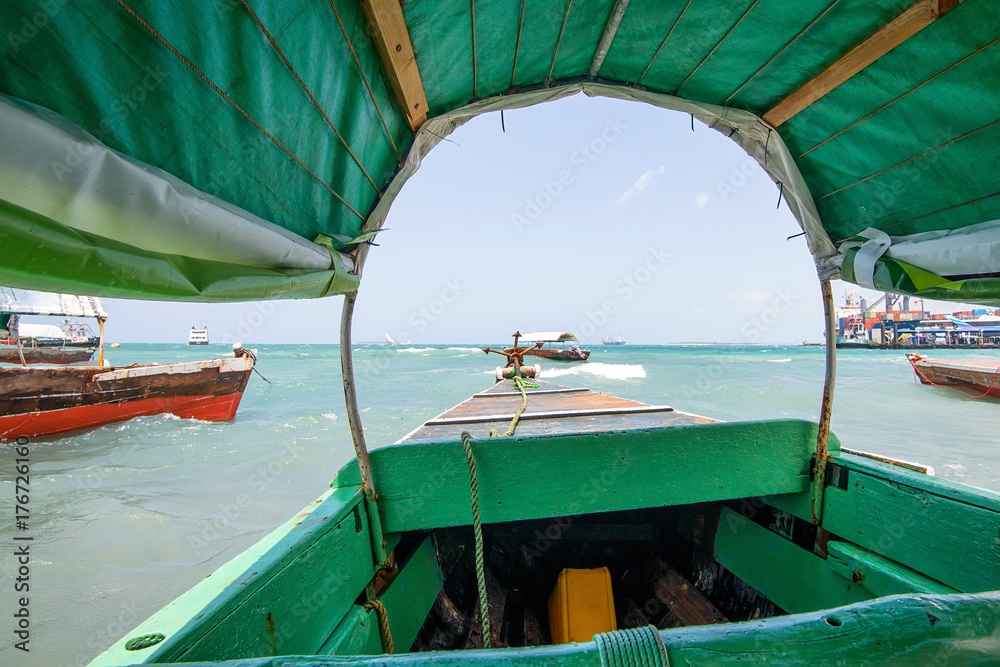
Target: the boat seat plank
pixel 916 520
pixel 531 477
pixel 879 575
pixel 791 577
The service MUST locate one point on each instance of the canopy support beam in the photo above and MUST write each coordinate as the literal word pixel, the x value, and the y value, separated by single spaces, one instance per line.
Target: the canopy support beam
pixel 20 353
pixel 385 18
pixel 100 353
pixel 919 15
pixel 610 30
pixel 357 432
pixel 826 408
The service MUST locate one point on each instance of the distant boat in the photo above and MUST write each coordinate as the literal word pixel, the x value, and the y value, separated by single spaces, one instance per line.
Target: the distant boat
pixel 389 340
pixel 973 375
pixel 549 349
pixel 34 343
pixel 610 340
pixel 67 334
pixel 78 334
pixel 198 336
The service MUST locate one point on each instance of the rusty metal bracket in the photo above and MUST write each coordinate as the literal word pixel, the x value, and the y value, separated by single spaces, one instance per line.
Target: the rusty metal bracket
pixel 515 355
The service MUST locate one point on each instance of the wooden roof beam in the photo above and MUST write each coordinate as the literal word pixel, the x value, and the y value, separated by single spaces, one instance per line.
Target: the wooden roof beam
pixel 919 15
pixel 392 39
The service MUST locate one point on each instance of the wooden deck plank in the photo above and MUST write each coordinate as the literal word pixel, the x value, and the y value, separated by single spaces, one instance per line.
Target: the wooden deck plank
pixel 539 403
pixel 496 406
pixel 625 412
pixel 549 427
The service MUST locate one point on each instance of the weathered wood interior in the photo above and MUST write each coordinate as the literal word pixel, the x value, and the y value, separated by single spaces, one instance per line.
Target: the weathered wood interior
pixel 698 523
pixel 661 562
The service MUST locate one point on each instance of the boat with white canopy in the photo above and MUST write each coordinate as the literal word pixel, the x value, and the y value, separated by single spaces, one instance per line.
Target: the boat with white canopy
pixel 24 344
pixel 556 345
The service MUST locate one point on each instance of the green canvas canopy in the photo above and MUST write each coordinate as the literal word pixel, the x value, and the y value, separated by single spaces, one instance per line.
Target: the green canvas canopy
pixel 246 149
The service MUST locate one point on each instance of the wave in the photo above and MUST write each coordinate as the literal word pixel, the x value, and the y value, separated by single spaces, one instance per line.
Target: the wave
pixel 466 349
pixel 598 369
pixel 778 361
pixel 415 349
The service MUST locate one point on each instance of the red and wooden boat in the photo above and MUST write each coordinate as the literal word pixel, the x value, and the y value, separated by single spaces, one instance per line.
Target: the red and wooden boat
pixel 975 378
pixel 46 400
pixel 50 400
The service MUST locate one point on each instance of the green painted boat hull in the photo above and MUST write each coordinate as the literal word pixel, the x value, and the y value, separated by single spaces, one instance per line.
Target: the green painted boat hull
pixel 913 558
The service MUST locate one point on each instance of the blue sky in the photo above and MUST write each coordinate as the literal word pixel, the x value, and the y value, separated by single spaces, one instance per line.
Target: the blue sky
pixel 590 215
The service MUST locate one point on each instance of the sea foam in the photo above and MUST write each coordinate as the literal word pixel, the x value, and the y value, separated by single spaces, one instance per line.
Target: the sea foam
pixel 598 369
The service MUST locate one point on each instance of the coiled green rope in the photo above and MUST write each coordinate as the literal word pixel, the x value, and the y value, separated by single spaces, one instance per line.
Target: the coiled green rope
pixel 477 528
pixel 632 648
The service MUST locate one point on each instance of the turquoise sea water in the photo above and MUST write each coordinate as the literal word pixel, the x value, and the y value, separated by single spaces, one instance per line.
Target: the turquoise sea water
pixel 127 517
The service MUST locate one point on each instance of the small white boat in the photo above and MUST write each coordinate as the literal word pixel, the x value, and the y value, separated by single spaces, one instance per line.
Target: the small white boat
pixel 198 336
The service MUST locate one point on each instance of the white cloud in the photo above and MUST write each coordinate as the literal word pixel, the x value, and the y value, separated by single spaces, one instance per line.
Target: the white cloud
pixel 641 184
pixel 701 200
